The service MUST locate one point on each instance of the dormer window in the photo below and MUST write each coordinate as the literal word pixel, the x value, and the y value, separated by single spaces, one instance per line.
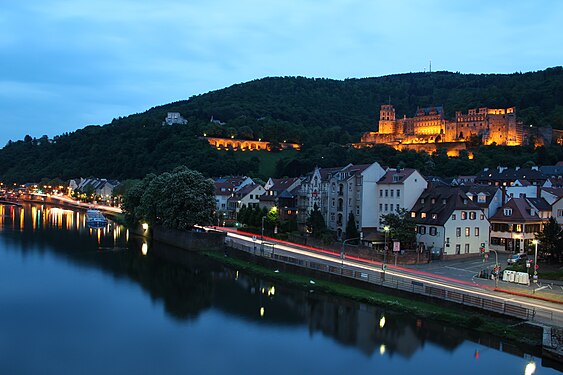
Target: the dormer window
pixel 508 212
pixel 434 216
pixel 444 201
pixel 481 198
pixel 413 214
pixel 422 200
pixel 423 215
pixel 433 201
pixel 396 178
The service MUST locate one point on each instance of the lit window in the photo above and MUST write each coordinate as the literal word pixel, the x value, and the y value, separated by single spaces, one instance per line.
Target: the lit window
pixel 423 215
pixel 467 231
pixel 476 231
pixel 472 215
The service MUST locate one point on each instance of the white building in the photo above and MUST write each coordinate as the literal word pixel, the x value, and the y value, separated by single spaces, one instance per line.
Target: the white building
pixel 449 223
pixel 353 190
pixel 398 189
pixel 225 187
pixel 247 195
pixel 488 198
pixel 174 118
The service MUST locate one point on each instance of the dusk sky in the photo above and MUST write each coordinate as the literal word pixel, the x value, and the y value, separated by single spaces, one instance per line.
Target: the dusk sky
pixel 68 64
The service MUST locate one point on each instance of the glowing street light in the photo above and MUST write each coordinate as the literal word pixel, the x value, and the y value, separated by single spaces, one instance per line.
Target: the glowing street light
pixel 386 230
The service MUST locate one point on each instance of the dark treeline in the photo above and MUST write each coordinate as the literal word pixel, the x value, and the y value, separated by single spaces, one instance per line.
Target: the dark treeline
pixel 322 114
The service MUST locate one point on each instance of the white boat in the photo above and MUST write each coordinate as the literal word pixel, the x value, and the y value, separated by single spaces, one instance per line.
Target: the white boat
pixel 95 218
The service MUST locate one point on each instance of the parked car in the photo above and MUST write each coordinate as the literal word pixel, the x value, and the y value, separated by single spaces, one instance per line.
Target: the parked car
pixel 517 258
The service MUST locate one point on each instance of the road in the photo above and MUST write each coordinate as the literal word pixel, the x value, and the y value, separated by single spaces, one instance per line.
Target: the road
pixel 451 275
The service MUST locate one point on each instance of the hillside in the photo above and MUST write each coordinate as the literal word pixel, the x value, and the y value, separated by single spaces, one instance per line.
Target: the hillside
pixel 319 113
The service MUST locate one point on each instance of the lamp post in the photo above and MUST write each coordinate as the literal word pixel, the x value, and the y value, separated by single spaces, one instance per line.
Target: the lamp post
pixel 342 255
pixel 497 266
pixel 386 230
pixel 535 242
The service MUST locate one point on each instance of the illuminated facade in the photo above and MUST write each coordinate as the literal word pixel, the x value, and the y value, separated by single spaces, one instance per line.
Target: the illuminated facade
pixel 430 126
pixel 244 145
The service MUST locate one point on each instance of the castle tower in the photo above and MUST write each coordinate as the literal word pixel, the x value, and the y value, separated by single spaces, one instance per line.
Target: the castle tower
pixel 387 119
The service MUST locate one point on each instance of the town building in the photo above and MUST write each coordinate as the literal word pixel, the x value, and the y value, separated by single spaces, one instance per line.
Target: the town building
pixel 488 198
pixel 247 195
pixel 225 187
pixel 398 189
pixel 98 186
pixel 449 224
pixel 353 190
pixel 282 193
pixel 515 225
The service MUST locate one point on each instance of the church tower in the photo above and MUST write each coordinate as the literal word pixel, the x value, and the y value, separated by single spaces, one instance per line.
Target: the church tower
pixel 387 119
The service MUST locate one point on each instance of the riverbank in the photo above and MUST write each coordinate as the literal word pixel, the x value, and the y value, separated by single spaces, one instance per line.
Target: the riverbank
pixel 464 317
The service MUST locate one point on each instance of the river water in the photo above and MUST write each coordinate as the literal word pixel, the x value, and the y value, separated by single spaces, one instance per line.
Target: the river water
pixel 75 300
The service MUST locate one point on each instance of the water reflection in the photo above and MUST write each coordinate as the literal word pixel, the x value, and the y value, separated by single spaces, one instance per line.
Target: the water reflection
pixel 187 285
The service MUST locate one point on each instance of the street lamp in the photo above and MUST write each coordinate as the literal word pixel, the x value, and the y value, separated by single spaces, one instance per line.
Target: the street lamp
pixel 386 230
pixel 262 236
pixel 535 242
pixel 342 255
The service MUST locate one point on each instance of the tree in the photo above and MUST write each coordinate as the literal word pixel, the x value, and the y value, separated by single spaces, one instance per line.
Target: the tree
pixel 551 240
pixel 316 222
pixel 351 228
pixel 186 199
pixel 401 227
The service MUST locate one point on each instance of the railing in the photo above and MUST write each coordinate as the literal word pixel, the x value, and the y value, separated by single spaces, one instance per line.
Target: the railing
pixel 384 279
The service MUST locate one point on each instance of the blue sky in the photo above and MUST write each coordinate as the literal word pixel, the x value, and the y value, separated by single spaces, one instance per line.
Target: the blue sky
pixel 68 64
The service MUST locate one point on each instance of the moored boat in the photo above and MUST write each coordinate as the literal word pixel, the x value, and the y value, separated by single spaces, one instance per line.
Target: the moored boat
pixel 95 218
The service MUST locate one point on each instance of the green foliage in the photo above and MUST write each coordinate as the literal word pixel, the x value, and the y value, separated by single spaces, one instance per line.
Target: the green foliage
pixel 401 227
pixel 321 114
pixel 551 240
pixel 351 228
pixel 316 223
pixel 177 200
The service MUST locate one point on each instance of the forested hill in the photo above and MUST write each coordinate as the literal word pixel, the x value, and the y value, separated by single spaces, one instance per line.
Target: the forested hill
pixel 314 112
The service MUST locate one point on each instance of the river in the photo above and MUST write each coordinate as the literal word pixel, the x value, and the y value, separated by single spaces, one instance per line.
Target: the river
pixel 75 300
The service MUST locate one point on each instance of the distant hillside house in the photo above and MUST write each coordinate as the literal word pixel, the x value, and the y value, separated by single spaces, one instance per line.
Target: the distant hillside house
pixel 174 118
pixel 101 187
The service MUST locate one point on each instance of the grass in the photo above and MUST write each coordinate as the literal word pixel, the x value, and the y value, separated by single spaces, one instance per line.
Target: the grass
pixel 268 159
pixel 474 320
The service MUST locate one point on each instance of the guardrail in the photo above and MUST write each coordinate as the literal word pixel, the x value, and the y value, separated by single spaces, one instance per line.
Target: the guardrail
pixel 384 279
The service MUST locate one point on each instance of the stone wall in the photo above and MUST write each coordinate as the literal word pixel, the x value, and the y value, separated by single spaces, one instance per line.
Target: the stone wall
pixel 188 240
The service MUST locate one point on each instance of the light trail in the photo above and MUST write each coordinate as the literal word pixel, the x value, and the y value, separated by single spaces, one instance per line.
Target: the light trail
pixel 426 278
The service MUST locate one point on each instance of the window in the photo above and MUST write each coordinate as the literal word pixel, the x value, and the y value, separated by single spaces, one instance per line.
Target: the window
pixel 332 216
pixel 457 248
pixel 467 231
pixel 454 216
pixel 507 211
pixel 458 232
pixel 482 216
pixel 391 207
pixel 413 214
pixel 463 215
pixel 433 231
pixel 398 193
pixel 476 231
pixel 422 229
pixel 386 205
pixel 398 207
pixel 433 201
pixel 423 215
pixel 434 216
pixel 481 198
pixel 386 192
pixel 559 212
pixel 251 196
pixel 466 248
pixel 472 215
pixel 381 207
pixel 381 193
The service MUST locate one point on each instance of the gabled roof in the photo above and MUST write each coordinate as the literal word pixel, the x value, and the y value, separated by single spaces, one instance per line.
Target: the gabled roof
pixel 521 211
pixel 552 170
pixel 389 176
pixel 558 192
pixel 281 184
pixel 439 203
pixel 487 190
pixel 510 174
pixel 540 204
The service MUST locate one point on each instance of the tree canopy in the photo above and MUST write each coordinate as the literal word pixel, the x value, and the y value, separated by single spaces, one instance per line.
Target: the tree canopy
pixel 178 200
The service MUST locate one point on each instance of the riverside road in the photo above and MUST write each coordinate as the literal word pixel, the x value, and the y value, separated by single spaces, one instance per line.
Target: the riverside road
pixel 545 302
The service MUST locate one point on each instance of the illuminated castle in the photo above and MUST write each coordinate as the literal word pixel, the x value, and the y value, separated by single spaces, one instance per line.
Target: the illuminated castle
pixel 429 126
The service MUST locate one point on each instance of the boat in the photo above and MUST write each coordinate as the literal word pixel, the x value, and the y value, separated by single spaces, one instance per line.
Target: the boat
pixel 95 219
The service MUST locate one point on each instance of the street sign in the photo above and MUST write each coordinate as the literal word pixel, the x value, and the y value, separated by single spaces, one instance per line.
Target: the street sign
pixel 396 246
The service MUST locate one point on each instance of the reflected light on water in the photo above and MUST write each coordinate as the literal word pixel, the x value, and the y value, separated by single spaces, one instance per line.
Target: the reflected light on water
pixel 382 349
pixel 530 368
pixel 382 322
pixel 262 312
pixel 144 248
